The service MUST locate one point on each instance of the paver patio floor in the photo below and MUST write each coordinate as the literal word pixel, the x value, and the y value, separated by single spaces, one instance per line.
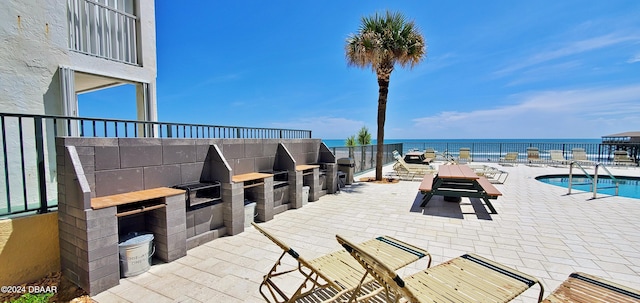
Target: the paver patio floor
pixel 538 230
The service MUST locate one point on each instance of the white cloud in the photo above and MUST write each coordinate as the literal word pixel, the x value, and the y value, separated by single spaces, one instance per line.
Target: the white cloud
pixel 568 49
pixel 586 113
pixel 634 59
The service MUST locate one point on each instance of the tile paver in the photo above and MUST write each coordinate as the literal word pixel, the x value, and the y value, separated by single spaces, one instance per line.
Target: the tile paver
pixel 538 229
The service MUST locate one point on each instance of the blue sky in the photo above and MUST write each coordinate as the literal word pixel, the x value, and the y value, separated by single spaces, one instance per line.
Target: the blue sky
pixel 494 69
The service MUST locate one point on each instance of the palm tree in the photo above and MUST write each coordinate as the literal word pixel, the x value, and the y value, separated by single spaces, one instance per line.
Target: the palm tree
pixel 351 143
pixel 364 139
pixel 381 42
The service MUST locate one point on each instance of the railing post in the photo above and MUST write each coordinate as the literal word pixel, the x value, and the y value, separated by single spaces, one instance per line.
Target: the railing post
pixel 595 181
pixel 570 177
pixel 42 182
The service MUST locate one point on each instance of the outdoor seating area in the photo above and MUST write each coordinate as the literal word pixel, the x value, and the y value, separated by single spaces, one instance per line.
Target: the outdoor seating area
pixel 468 278
pixel 556 158
pixel 580 156
pixel 492 174
pixel 510 159
pixel 336 270
pixel 621 158
pixel 550 243
pixel 409 171
pixel 456 181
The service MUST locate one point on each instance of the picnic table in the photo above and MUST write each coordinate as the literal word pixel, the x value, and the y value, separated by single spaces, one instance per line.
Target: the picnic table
pixel 458 181
pixel 416 157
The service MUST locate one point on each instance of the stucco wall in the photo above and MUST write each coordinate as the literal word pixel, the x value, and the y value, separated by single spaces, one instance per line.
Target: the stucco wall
pixel 29 248
pixel 34 44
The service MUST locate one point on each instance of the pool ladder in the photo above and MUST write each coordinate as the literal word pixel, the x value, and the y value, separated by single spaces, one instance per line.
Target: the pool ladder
pixel 594 179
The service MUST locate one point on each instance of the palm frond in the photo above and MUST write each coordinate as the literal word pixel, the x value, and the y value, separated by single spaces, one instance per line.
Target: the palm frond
pixel 383 40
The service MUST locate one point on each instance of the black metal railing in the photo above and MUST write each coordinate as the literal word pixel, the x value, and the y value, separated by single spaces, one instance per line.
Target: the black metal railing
pixel 492 152
pixel 28 158
pixel 365 155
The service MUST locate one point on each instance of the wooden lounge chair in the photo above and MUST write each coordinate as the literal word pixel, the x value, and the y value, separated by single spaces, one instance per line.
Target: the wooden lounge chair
pixel 620 157
pixel 465 155
pixel 557 158
pixel 580 156
pixel 581 287
pixel 468 278
pixel 337 273
pixel 510 159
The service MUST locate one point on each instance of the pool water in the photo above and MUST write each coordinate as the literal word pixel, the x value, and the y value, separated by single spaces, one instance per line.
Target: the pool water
pixel 628 186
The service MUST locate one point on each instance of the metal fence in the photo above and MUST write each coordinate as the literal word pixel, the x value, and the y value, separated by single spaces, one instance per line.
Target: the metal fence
pixel 365 155
pixel 492 152
pixel 28 158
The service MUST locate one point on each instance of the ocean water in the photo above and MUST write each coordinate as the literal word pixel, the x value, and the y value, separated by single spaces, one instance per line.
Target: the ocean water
pixel 341 142
pixel 488 149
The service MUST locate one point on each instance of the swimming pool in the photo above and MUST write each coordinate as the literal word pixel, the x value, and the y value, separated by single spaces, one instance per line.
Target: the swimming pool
pixel 628 186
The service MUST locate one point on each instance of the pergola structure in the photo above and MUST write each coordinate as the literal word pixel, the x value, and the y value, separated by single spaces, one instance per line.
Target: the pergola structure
pixel 627 141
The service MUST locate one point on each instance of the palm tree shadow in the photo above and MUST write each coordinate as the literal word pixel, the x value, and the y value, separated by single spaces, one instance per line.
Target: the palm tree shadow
pixel 437 206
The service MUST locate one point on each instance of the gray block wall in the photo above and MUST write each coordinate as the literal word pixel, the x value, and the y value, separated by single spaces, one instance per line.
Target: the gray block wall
pixel 96 167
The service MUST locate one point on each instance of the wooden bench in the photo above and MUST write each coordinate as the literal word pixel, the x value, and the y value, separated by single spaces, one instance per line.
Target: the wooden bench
pixel 427 183
pixel 136 201
pixel 488 187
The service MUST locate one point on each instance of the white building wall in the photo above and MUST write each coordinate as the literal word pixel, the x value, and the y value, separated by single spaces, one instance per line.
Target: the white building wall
pixel 34 44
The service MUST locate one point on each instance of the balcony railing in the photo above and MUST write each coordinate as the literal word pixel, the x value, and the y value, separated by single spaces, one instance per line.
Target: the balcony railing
pixel 28 159
pixel 99 30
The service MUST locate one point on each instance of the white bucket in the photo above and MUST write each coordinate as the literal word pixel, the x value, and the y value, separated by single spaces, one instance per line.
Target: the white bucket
pixel 135 254
pixel 249 213
pixel 305 194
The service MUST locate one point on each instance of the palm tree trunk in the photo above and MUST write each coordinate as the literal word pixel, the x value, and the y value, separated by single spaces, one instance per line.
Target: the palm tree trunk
pixel 383 90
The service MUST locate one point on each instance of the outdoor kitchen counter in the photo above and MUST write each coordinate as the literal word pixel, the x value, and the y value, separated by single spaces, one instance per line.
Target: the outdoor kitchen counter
pixel 304 167
pixel 134 196
pixel 251 179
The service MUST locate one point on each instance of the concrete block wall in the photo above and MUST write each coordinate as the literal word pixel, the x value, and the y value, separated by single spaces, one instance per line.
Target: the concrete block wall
pixel 88 238
pixel 233 207
pixel 95 167
pixel 169 227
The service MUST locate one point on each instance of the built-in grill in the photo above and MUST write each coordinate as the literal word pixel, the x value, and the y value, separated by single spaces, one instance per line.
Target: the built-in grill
pixel 201 193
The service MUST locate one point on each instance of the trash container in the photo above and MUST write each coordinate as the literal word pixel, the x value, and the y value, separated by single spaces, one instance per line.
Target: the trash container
pixel 249 212
pixel 305 194
pixel 347 166
pixel 135 252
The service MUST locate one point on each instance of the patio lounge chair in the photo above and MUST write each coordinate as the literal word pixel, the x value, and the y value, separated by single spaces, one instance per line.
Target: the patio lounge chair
pixel 410 171
pixel 430 153
pixel 557 158
pixel 620 157
pixel 468 278
pixel 492 174
pixel 510 159
pixel 580 156
pixel 465 155
pixel 581 287
pixel 337 273
pixel 533 156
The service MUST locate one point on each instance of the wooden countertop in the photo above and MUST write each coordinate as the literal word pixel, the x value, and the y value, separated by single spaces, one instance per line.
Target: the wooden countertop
pixel 135 196
pixel 306 166
pixel 249 177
